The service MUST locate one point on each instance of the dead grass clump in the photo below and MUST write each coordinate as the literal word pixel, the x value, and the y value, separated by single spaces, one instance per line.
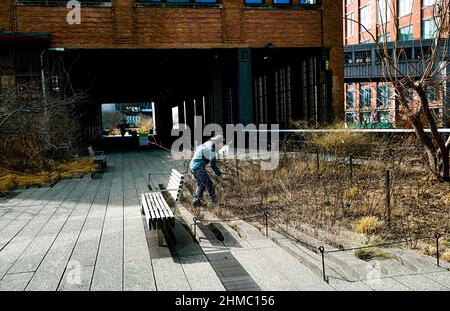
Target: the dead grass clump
pixel 69 169
pixel 429 250
pixel 351 193
pixel 9 180
pixel 368 225
pixel 257 225
pixel 7 183
pixel 145 125
pixel 368 254
pixel 343 143
pixel 272 199
pixel 233 225
pixel 446 255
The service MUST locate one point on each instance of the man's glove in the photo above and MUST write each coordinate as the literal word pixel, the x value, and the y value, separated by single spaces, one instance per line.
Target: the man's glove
pixel 223 177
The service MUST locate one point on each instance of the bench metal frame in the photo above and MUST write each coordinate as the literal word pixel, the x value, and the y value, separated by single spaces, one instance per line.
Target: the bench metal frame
pixel 99 156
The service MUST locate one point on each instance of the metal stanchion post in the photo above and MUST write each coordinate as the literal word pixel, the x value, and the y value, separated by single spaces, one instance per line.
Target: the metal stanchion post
pixel 195 226
pixel 317 161
pixel 267 223
pixel 322 251
pixel 387 179
pixel 438 236
pixel 351 166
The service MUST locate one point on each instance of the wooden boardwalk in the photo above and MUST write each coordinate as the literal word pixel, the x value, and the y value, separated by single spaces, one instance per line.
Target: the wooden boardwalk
pixel 88 234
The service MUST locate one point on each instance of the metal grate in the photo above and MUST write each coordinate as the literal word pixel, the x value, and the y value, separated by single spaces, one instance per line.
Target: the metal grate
pixel 232 275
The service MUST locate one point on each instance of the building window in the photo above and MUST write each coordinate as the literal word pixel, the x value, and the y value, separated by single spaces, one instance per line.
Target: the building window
pixel 260 89
pixel 428 3
pixel 383 94
pixel 404 55
pixel 422 53
pixel 384 38
pixel 406 33
pixel 428 28
pixel 350 25
pixel 366 117
pixel 350 117
pixel 283 95
pixel 380 55
pixel 348 58
pixel 384 117
pixel 384 12
pixel 365 96
pixel 362 57
pixel 432 95
pixel 281 1
pixel 364 18
pixel 404 7
pixel 350 98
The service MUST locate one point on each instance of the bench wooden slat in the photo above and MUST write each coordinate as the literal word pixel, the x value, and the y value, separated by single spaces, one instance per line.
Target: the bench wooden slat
pixel 163 206
pixel 176 174
pixel 155 207
pixel 167 208
pixel 159 216
pixel 149 216
pixel 152 214
pixel 155 211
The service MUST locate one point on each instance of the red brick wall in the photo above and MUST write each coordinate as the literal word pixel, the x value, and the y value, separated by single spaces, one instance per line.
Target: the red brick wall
pixel 125 25
pixel 5 15
pixel 332 29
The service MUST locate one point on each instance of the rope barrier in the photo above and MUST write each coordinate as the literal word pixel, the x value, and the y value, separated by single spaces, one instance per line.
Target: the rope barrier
pixel 235 219
pixel 376 245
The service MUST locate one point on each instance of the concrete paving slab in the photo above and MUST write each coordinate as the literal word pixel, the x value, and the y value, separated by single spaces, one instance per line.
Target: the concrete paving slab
pixel 76 277
pixel 15 282
pixel 201 276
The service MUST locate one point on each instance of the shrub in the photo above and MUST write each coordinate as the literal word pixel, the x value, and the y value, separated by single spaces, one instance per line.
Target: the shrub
pixel 343 143
pixel 272 199
pixel 368 225
pixel 145 125
pixel 114 132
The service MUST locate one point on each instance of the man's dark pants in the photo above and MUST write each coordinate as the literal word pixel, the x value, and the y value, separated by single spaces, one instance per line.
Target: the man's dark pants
pixel 203 181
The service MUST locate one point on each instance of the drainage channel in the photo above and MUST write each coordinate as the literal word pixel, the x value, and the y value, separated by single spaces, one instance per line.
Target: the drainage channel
pixel 231 273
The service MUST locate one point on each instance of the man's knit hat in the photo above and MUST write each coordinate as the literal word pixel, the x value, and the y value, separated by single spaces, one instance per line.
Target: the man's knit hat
pixel 218 139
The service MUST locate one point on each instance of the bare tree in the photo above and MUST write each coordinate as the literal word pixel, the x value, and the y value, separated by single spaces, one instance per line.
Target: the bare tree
pixel 412 86
pixel 23 110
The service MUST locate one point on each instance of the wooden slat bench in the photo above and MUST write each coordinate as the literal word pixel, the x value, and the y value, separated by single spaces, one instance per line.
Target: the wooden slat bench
pixel 99 156
pixel 157 212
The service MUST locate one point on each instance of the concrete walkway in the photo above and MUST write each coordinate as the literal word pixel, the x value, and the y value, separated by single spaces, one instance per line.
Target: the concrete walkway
pixel 88 234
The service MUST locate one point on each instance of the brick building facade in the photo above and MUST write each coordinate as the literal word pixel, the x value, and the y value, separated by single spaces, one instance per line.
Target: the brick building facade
pixel 369 101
